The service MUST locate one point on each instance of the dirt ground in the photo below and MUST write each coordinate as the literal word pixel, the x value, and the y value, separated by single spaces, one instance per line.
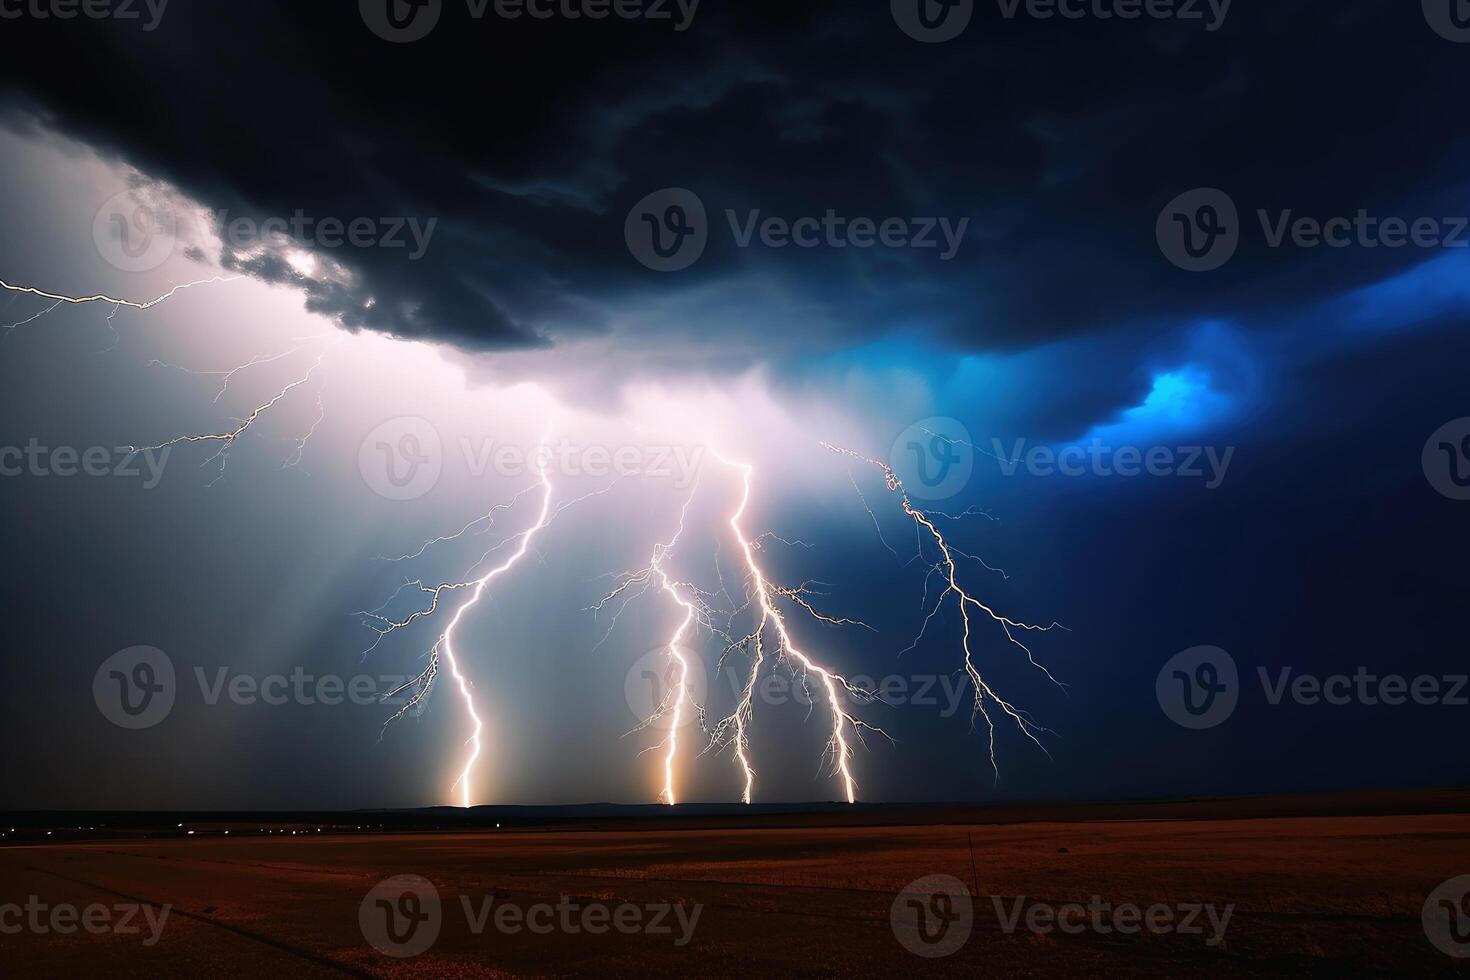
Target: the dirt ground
pixel 1313 895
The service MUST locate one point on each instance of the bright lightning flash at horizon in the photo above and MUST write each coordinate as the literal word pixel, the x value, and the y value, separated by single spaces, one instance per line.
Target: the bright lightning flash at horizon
pixel 673 700
pixel 833 684
pixel 445 642
pixel 770 639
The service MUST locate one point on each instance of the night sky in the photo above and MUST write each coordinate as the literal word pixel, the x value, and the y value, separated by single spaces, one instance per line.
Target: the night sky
pixel 1035 177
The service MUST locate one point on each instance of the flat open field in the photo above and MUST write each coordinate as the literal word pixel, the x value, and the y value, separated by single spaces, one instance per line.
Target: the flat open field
pixel 1315 892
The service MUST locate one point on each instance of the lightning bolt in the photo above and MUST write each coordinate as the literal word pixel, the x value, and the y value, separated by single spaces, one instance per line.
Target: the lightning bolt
pixel 481 584
pixel 10 327
pixel 226 439
pixel 833 684
pixel 102 298
pixel 770 639
pixel 487 519
pixel 114 302
pixel 694 611
pixel 443 651
pixel 227 375
pixel 948 567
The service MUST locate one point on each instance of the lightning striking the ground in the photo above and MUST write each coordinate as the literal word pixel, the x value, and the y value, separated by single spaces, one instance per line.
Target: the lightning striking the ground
pixel 769 643
pixel 476 582
pixel 674 699
pixel 443 649
pixel 834 685
pixel 948 567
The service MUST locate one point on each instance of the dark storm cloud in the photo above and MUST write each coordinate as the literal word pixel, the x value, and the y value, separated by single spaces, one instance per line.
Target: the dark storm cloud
pixel 529 142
